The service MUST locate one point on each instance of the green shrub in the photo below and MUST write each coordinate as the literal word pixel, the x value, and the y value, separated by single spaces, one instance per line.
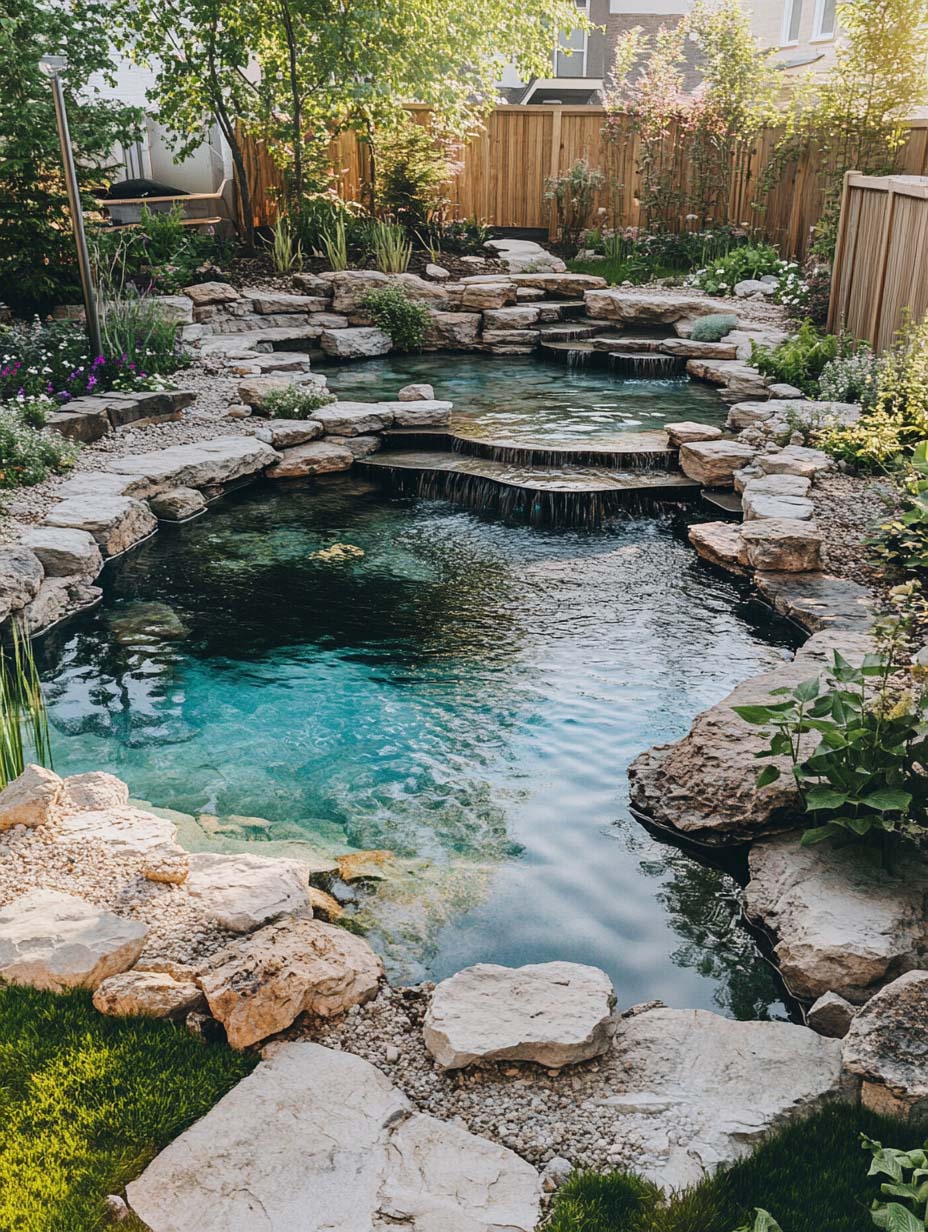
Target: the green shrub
pixel 572 196
pixel 88 1100
pixel 851 378
pixel 714 327
pixel 749 261
pixel 23 717
pixel 27 455
pixel 159 254
pixel 399 316
pixel 902 541
pixel 874 444
pixel 799 360
pixel 413 171
pixel 297 402
pixel 593 1202
pixel 285 248
pixel 907 1209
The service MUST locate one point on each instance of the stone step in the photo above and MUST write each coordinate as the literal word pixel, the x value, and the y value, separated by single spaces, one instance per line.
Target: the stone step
pixel 728 503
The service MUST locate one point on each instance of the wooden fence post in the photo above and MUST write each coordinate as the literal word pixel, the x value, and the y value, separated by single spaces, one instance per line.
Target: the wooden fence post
pixel 881 266
pixel 840 254
pixel 554 166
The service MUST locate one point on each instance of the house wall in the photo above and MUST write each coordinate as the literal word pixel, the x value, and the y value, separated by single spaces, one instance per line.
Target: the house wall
pixel 767 22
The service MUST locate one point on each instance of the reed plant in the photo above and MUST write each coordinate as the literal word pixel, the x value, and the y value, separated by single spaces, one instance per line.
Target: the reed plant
pixel 286 248
pixel 335 244
pixel 23 717
pixel 391 247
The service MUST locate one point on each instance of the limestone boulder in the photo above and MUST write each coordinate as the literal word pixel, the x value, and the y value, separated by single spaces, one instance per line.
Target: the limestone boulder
pixel 285 433
pixel 351 287
pixel 748 414
pixel 64 552
pixel 719 543
pixel 704 785
pixel 356 342
pixel 168 864
pixel 887 1047
pixel 437 273
pixel 21 575
pixel 204 464
pixel 147 994
pixel 256 390
pixel 519 317
pixel 650 307
pixel 831 1015
pixel 740 381
pixel 686 348
pixel 267 303
pixel 518 256
pixel 55 941
pixel 313 458
pixel 314 284
pixel 258 985
pixel 785 545
pixel 177 504
pixel 92 791
pixel 122 828
pixel 795 460
pixel 416 393
pixel 242 892
pixel 841 923
pixel 358 446
pixel 355 418
pixel 702 1091
pixel 818 601
pixel 355 1157
pixel 777 496
pixel 713 462
pixel 204 294
pixel 117 523
pixel 57 599
pixel 553 1013
pixel 562 285
pixel 479 296
pixel 453 329
pixel 685 432
pixel 31 799
pixel 423 414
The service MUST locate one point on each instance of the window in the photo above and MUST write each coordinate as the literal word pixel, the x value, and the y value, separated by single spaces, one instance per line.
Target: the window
pixel 573 65
pixel 824 25
pixel 792 20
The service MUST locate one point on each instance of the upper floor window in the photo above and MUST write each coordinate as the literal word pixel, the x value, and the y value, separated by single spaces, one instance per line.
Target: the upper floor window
pixel 573 41
pixel 824 25
pixel 792 20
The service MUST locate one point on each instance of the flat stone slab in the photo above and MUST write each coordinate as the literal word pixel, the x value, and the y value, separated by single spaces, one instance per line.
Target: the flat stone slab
pixel 257 986
pixel 887 1046
pixel 647 307
pixel 685 431
pixel 423 413
pixel 56 941
pixel 117 523
pixel 242 892
pixel 355 343
pixel 795 460
pixel 703 1091
pixel 64 552
pixel 841 922
pixel 554 1013
pixel 704 785
pixel 782 544
pixel 720 543
pixel 354 418
pixel 123 828
pixel 285 433
pixel 148 994
pixel 818 601
pixel 320 1141
pixel 313 458
pixel 777 496
pixel 206 464
pixel 713 462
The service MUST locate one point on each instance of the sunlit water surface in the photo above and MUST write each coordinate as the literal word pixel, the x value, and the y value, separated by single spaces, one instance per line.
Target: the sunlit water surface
pixel 521 399
pixel 467 694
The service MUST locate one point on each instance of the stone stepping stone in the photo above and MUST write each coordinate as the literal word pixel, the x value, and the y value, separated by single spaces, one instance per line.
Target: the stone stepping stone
pixel 320 1141
pixel 206 464
pixel 887 1046
pixel 554 1013
pixel 56 941
pixel 712 463
pixel 117 523
pixel 123 829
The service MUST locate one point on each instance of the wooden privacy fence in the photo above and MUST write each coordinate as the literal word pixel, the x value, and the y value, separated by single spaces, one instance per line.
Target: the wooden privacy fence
pixel 881 260
pixel 504 168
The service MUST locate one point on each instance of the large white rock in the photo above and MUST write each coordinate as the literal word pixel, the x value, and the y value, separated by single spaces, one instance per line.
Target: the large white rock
pixel 887 1046
pixel 712 463
pixel 426 413
pixel 650 307
pixel 93 791
pixel 65 552
pixel 702 1091
pixel 842 923
pixel 285 433
pixel 777 496
pixel 55 941
pixel 30 799
pixel 205 464
pixel 117 523
pixel 354 418
pixel 242 892
pixel 258 985
pixel 149 994
pixel 782 545
pixel 123 828
pixel 320 1141
pixel 21 575
pixel 555 1013
pixel 357 342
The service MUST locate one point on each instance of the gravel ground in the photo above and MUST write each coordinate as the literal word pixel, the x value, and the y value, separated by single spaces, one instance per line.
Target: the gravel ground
pixel 539 1113
pixel 40 858
pixel 847 509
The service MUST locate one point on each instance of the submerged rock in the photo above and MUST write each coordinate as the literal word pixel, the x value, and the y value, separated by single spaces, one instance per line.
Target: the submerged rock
pixel 887 1046
pixel 353 1157
pixel 56 941
pixel 554 1013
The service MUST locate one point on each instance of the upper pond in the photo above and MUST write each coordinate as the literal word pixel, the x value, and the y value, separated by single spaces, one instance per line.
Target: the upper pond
pixel 466 694
pixel 517 398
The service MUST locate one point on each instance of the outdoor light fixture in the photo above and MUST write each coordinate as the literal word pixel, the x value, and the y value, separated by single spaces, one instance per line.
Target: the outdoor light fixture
pixel 51 66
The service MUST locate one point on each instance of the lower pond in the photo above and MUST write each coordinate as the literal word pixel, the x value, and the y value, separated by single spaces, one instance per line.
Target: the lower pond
pixel 465 694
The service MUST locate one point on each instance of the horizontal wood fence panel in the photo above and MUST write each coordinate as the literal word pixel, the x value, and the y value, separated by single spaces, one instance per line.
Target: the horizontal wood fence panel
pixel 504 169
pixel 881 262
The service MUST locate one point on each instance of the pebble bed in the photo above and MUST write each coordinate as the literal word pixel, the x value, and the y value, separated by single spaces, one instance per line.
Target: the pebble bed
pixel 847 508
pixel 541 1114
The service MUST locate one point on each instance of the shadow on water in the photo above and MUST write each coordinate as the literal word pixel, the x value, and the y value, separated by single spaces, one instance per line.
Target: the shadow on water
pixel 464 693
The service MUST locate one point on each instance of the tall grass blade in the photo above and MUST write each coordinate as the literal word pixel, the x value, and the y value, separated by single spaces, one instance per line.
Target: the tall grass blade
pixel 24 731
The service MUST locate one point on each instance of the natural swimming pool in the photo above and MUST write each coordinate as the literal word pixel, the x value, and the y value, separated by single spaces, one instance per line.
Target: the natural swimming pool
pixel 520 398
pixel 466 694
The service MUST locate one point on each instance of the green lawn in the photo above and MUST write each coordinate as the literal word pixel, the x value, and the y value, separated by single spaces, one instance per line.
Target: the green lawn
pixel 812 1177
pixel 86 1101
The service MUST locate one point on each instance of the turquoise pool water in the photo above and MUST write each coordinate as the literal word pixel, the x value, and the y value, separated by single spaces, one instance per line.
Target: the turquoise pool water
pixel 466 694
pixel 518 398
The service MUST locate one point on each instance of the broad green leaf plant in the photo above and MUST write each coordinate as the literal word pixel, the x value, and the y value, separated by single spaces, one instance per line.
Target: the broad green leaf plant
pixel 864 779
pixel 906 1190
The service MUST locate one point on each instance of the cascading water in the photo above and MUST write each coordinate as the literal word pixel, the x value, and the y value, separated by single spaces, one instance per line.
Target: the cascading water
pixel 546 455
pixel 648 366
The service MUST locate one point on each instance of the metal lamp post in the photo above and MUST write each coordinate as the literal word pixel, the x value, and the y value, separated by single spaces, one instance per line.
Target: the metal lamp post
pixel 51 66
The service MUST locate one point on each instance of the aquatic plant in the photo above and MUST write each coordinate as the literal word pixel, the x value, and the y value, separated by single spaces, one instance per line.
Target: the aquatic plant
pixel 23 719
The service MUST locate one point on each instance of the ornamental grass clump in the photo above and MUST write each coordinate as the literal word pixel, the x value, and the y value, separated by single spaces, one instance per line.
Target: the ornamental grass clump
pixel 23 717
